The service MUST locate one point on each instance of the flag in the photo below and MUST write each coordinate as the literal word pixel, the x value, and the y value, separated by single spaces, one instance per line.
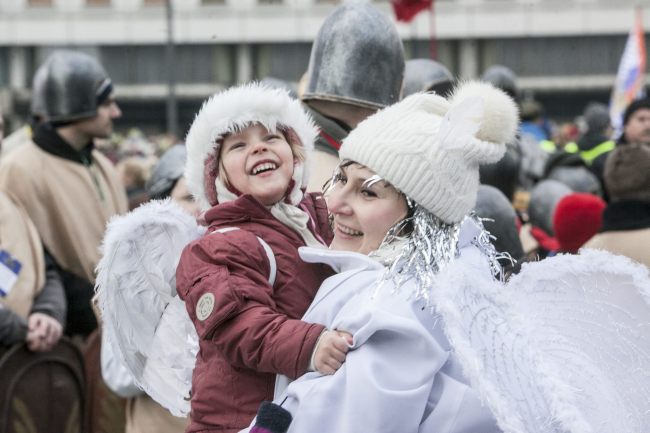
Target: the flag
pixel 406 10
pixel 630 78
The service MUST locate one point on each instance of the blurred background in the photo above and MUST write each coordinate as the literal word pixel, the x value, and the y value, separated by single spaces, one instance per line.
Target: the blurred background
pixel 565 53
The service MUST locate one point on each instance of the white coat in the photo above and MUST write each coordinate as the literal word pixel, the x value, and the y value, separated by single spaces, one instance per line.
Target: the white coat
pixel 400 375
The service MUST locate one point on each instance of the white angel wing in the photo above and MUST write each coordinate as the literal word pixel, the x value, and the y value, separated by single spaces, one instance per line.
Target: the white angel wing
pixel 461 122
pixel 563 347
pixel 145 321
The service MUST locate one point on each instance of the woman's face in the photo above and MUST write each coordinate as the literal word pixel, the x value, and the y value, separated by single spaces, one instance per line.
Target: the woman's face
pixel 362 213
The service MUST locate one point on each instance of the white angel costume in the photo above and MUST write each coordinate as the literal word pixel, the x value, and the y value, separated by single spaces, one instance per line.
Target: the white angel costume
pixel 401 374
pixel 564 347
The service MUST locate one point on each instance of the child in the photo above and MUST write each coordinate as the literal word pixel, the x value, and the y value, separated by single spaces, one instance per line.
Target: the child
pixel 243 283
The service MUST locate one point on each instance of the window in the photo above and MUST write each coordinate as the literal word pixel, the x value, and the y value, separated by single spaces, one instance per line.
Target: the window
pixel 4 67
pixel 145 64
pixel 287 61
pixel 39 3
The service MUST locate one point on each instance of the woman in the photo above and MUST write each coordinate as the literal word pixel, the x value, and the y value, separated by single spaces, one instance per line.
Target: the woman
pixel 408 179
pixel 438 345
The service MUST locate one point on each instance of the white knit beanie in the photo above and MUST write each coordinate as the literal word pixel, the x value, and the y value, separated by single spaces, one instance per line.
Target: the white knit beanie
pixel 233 110
pixel 430 148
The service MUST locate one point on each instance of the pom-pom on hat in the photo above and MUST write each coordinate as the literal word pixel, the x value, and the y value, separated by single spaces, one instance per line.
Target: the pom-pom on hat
pixel 578 217
pixel 231 111
pixel 430 148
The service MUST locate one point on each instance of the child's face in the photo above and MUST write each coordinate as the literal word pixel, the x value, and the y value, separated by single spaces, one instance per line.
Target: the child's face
pixel 259 163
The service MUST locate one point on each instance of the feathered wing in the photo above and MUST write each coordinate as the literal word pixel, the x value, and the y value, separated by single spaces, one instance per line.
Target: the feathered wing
pixel 145 321
pixel 563 347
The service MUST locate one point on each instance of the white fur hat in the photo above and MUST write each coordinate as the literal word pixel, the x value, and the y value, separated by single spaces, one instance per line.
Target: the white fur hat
pixel 233 110
pixel 430 148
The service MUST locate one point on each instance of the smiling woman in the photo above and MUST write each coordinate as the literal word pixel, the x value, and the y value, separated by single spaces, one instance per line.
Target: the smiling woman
pixel 363 208
pixel 440 344
pixel 400 219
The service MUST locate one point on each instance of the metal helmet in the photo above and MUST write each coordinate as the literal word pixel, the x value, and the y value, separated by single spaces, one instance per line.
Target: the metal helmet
pixel 503 174
pixel 596 117
pixel 37 106
pixel 425 75
pixel 579 179
pixel 357 58
pixel 502 77
pixel 169 168
pixel 69 86
pixel 543 200
pixel 501 220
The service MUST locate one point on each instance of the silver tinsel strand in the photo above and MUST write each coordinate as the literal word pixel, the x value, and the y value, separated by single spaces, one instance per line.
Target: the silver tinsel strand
pixel 431 245
pixel 421 255
pixel 484 243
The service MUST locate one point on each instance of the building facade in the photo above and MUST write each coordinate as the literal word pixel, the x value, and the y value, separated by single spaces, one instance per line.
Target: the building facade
pixel 565 52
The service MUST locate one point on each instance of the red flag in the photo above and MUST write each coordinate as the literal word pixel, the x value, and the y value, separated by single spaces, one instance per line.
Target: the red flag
pixel 406 10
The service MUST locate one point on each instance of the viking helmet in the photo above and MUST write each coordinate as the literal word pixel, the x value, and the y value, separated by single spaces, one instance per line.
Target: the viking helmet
pixel 544 197
pixel 425 75
pixel 502 77
pixel 504 174
pixel 69 86
pixel 357 58
pixel 501 220
pixel 167 171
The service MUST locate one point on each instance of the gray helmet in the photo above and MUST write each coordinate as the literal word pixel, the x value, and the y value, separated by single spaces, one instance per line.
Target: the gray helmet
pixel 543 200
pixel 69 86
pixel 596 116
pixel 357 58
pixel 169 168
pixel 37 106
pixel 502 77
pixel 492 204
pixel 504 174
pixel 579 179
pixel 425 75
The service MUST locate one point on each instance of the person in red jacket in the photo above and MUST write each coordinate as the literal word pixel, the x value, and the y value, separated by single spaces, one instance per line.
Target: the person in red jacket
pixel 243 283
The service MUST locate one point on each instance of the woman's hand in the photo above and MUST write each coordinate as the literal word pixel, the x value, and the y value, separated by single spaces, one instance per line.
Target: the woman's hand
pixel 43 332
pixel 331 350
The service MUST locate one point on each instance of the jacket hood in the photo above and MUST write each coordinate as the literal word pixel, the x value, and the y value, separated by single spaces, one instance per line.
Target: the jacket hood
pixel 233 110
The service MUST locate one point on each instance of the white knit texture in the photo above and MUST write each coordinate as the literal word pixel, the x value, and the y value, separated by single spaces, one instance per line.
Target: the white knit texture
pixel 401 143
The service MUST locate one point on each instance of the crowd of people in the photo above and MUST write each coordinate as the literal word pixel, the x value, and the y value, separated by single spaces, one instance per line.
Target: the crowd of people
pixel 329 252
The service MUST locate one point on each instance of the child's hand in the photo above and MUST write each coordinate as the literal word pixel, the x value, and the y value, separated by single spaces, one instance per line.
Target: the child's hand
pixel 331 350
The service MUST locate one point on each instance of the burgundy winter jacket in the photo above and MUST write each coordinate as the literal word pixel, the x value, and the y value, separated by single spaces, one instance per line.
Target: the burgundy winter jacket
pixel 248 331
